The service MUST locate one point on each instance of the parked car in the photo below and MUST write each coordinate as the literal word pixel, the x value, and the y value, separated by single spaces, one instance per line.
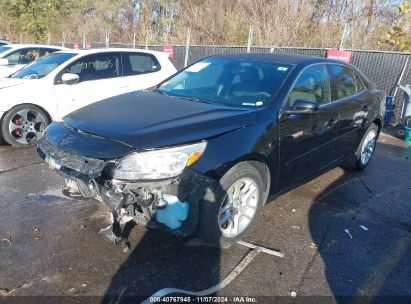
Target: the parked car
pixel 4 42
pixel 15 56
pixel 65 81
pixel 202 152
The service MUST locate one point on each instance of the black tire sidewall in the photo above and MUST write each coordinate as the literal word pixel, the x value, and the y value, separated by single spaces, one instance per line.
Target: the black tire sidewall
pixel 208 228
pixel 9 115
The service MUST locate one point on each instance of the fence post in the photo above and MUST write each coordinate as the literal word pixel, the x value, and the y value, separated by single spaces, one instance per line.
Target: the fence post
pixel 49 38
pixel 398 82
pixel 250 38
pixel 63 39
pixel 148 32
pixel 107 38
pixel 134 40
pixel 84 40
pixel 187 47
pixel 21 38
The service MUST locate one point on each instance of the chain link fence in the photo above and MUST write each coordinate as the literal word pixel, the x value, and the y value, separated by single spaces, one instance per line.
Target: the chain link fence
pixel 382 68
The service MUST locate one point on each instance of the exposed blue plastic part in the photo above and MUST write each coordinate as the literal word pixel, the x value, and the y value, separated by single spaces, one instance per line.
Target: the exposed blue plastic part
pixel 174 213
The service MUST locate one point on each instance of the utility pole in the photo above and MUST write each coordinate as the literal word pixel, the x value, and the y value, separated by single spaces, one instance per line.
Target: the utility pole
pixel 344 36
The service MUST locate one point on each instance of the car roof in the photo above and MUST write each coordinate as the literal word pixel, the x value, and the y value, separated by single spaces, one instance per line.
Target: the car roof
pixel 278 58
pixel 103 50
pixel 17 45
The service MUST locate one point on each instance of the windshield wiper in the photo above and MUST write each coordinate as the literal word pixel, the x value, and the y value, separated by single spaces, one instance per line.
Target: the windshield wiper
pixel 196 99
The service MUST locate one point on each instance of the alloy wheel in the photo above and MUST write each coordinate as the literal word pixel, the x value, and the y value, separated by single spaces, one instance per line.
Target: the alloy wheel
pixel 368 147
pixel 27 126
pixel 239 208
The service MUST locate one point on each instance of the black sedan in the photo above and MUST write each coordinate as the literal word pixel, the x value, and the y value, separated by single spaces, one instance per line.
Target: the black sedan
pixel 207 148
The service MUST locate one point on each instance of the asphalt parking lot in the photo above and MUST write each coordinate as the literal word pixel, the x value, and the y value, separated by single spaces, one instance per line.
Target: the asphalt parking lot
pixel 49 243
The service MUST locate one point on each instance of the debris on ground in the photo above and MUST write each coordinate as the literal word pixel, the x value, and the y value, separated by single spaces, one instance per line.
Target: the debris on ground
pixel 293 294
pixel 363 227
pixel 296 227
pixel 7 240
pixel 293 210
pixel 348 232
pixel 313 246
pixel 6 293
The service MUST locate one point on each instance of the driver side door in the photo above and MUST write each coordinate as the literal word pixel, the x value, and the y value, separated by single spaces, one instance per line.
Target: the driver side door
pixel 307 140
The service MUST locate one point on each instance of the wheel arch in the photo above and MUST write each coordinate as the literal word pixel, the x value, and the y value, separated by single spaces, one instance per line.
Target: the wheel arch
pixel 30 104
pixel 378 122
pixel 259 162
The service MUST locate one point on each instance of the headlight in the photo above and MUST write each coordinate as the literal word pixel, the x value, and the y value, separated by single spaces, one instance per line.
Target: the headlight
pixel 159 164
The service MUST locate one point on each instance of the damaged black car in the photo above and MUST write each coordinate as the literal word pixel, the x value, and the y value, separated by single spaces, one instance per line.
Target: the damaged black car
pixel 202 152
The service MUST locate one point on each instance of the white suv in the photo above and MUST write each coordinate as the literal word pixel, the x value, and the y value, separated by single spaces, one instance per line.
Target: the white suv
pixel 65 81
pixel 15 56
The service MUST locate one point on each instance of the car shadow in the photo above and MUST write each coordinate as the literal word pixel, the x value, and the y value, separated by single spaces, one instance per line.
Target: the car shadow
pixel 361 227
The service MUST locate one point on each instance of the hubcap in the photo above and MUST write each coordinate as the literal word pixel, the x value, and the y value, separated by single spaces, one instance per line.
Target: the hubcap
pixel 27 126
pixel 239 207
pixel 368 146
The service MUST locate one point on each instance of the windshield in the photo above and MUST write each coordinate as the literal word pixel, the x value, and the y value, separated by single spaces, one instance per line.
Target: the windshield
pixel 233 82
pixel 43 66
pixel 4 48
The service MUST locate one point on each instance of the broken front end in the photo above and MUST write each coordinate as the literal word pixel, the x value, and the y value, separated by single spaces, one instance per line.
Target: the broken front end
pixel 145 187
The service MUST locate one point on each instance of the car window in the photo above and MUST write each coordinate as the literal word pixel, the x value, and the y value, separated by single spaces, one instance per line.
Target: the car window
pixel 96 66
pixel 359 82
pixel 23 56
pixel 312 85
pixel 344 81
pixel 42 67
pixel 47 51
pixel 139 63
pixel 4 48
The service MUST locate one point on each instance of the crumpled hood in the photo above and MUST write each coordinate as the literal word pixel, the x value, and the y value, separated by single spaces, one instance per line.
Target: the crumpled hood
pixel 11 82
pixel 147 120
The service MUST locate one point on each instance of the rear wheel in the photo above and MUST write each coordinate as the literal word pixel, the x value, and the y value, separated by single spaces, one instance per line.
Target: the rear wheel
pixel 235 209
pixel 365 150
pixel 24 125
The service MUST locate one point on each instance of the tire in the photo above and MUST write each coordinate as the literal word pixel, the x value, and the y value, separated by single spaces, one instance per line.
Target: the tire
pixel 24 125
pixel 218 207
pixel 399 131
pixel 366 146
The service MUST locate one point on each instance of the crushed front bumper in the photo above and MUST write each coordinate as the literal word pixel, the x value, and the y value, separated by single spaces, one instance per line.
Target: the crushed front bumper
pixel 140 201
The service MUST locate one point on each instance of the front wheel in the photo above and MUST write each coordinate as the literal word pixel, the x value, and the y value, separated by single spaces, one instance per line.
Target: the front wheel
pixel 224 221
pixel 24 125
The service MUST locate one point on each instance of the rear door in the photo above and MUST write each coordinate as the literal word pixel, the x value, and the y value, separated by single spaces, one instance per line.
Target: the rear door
pixel 307 141
pixel 100 78
pixel 351 97
pixel 141 71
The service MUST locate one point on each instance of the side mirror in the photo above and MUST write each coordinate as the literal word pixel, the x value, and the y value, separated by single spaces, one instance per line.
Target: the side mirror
pixel 4 61
pixel 69 78
pixel 302 106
